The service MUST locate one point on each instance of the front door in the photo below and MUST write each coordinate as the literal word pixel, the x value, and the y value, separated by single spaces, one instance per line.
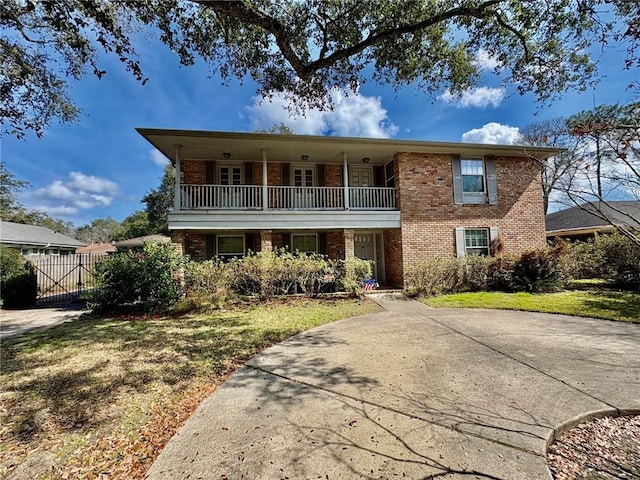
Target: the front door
pixel 365 248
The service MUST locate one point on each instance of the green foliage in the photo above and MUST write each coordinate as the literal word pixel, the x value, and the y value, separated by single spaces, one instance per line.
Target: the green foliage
pixel 159 201
pixel 612 257
pixel 537 271
pixel 146 280
pixel 100 230
pixel 18 282
pixel 434 276
pixel 532 271
pixel 307 48
pixel 135 225
pixel 620 260
pixel 207 283
pixel 11 263
pixel 9 186
pixel 351 274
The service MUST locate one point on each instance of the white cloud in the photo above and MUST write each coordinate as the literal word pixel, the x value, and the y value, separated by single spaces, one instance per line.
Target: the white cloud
pixel 484 60
pixel 158 158
pixel 78 192
pixel 480 97
pixel 493 133
pixel 353 115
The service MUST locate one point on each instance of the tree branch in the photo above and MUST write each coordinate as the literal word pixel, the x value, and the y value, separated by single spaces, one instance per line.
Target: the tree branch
pixel 242 11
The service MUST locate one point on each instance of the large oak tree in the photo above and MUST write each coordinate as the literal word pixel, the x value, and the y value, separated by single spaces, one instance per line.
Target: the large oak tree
pixel 305 48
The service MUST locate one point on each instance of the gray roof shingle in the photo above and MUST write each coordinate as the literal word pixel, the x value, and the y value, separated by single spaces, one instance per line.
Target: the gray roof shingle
pixel 579 217
pixel 21 234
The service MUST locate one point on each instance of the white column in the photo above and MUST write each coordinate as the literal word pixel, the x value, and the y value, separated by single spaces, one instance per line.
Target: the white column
pixel 345 175
pixel 265 190
pixel 176 194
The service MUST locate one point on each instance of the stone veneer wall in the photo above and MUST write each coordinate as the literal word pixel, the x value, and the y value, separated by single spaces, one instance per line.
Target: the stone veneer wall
pixel 429 216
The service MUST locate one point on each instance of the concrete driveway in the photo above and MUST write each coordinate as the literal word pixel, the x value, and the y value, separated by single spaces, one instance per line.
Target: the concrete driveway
pixel 14 323
pixel 411 393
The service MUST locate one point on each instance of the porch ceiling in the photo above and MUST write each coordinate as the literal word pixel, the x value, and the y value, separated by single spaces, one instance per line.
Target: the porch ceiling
pixel 203 145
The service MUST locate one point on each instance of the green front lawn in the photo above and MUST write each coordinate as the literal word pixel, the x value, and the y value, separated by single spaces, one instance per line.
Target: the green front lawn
pixel 99 397
pixel 596 303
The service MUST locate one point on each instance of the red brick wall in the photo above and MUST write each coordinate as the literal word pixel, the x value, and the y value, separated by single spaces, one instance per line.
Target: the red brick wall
pixel 393 257
pixel 193 244
pixel 335 244
pixel 429 216
pixel 333 175
pixel 194 172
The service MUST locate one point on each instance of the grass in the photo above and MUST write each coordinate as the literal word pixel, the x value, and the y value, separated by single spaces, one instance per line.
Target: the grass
pixel 101 396
pixel 585 300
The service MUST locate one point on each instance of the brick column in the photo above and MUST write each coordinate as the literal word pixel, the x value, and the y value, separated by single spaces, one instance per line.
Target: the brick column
pixel 349 246
pixel 177 240
pixel 266 240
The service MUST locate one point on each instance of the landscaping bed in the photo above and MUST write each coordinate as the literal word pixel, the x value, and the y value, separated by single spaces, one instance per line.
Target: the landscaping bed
pixel 100 397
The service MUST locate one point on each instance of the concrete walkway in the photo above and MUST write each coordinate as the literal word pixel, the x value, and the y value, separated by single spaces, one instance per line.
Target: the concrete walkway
pixel 18 322
pixel 410 393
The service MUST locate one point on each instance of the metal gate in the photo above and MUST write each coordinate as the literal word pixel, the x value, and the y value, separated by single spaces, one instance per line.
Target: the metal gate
pixel 64 278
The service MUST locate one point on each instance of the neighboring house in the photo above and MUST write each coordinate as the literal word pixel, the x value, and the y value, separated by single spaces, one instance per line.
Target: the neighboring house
pixel 98 249
pixel 136 244
pixel 394 202
pixel 34 240
pixel 579 223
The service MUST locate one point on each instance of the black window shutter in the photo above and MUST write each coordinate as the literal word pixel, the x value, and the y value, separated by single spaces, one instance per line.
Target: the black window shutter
pixel 210 172
pixel 286 173
pixel 210 247
pixel 322 175
pixel 248 173
pixel 286 241
pixel 322 243
pixel 378 176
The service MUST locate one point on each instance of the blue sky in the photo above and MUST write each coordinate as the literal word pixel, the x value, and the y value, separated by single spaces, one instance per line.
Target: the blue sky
pixel 100 166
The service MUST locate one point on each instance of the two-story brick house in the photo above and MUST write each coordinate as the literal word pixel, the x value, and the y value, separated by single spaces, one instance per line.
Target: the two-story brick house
pixel 390 201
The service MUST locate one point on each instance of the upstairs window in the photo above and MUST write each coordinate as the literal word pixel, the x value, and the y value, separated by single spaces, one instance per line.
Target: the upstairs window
pixel 474 180
pixel 389 174
pixel 472 175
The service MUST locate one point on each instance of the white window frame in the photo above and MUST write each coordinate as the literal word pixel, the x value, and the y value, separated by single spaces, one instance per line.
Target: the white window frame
pixel 472 250
pixel 482 193
pixel 304 167
pixel 294 235
pixel 228 256
pixel 461 239
pixel 231 167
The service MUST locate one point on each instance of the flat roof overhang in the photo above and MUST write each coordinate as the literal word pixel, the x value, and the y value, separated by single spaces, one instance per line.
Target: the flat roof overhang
pixel 209 145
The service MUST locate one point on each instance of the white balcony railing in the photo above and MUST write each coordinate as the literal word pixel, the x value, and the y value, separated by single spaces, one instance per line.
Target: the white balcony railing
pixel 230 197
pixel 306 198
pixel 249 197
pixel 377 198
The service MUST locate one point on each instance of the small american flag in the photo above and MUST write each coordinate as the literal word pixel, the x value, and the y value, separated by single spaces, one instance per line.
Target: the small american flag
pixel 370 284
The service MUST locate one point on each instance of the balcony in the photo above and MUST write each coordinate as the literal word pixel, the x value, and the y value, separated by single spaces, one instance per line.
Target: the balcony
pixel 252 197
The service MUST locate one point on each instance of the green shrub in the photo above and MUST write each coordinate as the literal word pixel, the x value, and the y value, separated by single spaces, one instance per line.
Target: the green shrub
pixel 266 274
pixel 207 283
pixel 477 272
pixel 11 263
pixel 18 281
pixel 620 260
pixel 537 271
pixel 434 276
pixel 314 274
pixel 351 273
pixel 146 280
pixel 582 260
